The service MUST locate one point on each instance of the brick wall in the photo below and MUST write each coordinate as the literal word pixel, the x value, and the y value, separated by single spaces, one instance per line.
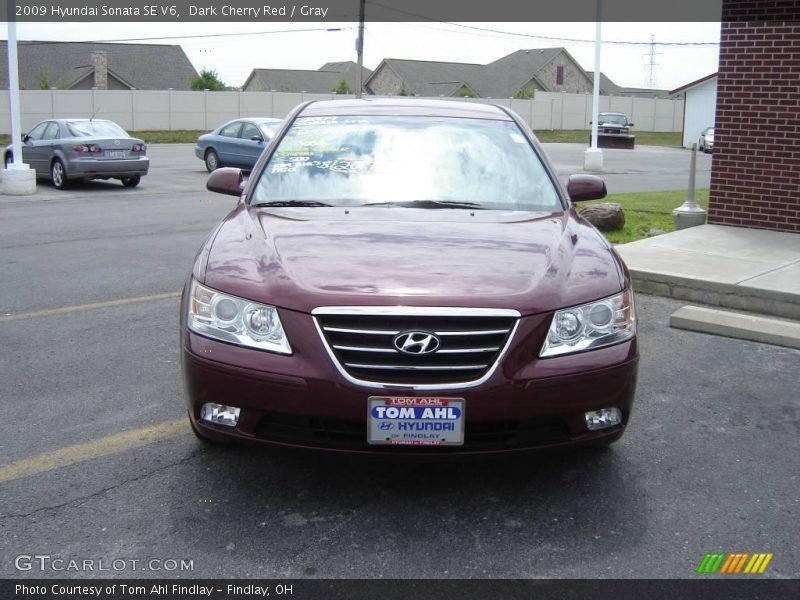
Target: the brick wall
pixel 755 175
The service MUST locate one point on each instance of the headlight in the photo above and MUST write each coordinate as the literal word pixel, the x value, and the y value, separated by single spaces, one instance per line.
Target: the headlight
pixel 594 325
pixel 235 320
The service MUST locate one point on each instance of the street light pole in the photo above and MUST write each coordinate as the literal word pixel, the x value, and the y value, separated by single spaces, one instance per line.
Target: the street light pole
pixel 360 48
pixel 593 157
pixel 18 178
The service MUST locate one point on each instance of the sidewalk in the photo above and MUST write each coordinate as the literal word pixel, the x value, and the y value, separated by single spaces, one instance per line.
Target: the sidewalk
pixel 745 269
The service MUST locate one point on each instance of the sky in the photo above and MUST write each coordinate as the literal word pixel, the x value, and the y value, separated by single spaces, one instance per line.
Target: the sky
pixel 309 46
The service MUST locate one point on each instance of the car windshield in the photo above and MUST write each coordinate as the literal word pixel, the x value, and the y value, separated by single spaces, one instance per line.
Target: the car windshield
pixel 95 129
pixel 711 131
pixel 425 162
pixel 613 119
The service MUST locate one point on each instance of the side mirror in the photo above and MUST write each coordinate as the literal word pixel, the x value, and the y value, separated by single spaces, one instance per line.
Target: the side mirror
pixel 630 124
pixel 256 138
pixel 585 187
pixel 226 180
pixel 25 138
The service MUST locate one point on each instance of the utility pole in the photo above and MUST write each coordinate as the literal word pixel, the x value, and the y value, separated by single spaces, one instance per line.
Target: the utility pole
pixel 360 47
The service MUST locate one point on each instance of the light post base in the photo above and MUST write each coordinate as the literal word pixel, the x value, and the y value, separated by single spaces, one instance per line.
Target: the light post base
pixel 593 159
pixel 684 217
pixel 19 180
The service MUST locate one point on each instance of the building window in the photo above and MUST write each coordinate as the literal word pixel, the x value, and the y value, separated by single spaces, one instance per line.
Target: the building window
pixel 560 75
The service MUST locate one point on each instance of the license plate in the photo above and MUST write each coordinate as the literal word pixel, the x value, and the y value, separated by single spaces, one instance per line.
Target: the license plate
pixel 117 154
pixel 409 421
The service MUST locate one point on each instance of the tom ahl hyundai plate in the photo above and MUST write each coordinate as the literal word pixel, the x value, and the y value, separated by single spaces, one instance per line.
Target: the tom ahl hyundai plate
pixel 416 421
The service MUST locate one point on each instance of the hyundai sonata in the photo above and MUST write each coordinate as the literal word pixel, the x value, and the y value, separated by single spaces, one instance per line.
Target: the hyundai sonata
pixel 407 275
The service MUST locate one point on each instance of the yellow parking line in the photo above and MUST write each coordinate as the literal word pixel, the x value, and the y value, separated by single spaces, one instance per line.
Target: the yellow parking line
pixel 104 446
pixel 68 309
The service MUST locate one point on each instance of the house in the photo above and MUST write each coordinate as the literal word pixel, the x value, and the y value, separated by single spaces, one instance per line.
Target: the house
pixel 321 81
pixel 755 181
pixel 609 88
pixel 87 65
pixel 700 107
pixel 518 74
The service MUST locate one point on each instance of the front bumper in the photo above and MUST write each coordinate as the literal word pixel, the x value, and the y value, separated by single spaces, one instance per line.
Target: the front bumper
pixel 98 168
pixel 302 400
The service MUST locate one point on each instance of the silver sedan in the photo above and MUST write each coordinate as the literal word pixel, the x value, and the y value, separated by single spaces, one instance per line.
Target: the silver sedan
pixel 68 149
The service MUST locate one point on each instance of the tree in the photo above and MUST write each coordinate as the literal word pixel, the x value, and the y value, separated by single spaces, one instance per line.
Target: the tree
pixel 44 82
pixel 523 94
pixel 342 88
pixel 208 80
pixel 403 91
pixel 465 92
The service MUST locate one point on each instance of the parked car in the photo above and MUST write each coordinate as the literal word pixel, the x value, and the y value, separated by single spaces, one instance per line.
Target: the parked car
pixel 237 143
pixel 68 149
pixel 614 131
pixel 706 141
pixel 407 275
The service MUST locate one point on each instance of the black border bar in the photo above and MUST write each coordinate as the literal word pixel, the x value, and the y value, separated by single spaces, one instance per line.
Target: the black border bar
pixel 376 10
pixel 702 587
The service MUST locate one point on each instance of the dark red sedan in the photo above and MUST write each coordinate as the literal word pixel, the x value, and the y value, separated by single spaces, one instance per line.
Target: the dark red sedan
pixel 407 275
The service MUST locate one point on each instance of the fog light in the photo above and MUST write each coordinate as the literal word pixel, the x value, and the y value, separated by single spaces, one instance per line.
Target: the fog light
pixel 603 418
pixel 220 414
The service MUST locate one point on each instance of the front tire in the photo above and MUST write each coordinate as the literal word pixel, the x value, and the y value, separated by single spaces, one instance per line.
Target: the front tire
pixel 131 182
pixel 212 161
pixel 9 159
pixel 59 175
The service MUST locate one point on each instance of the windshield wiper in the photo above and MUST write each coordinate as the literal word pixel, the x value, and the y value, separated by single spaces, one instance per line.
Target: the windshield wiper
pixel 280 203
pixel 429 204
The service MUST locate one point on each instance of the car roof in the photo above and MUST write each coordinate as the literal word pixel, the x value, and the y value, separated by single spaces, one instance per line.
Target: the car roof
pixel 80 120
pixel 405 107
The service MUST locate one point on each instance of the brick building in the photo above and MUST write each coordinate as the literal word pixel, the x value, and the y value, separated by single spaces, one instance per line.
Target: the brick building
pixel 755 176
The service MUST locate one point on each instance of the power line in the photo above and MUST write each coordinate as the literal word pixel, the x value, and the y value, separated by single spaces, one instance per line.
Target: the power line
pixel 539 37
pixel 186 37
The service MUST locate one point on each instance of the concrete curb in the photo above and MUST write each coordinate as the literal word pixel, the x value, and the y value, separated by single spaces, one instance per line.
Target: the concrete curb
pixel 736 325
pixel 736 296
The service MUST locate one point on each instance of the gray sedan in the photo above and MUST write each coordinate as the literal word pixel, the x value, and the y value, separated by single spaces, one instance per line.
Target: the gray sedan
pixel 66 149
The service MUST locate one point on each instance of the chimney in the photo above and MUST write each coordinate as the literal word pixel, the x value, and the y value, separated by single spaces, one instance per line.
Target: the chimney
pixel 100 65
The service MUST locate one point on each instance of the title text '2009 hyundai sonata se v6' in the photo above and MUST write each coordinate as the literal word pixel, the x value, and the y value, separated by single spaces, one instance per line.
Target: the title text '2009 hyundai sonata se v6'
pixel 407 275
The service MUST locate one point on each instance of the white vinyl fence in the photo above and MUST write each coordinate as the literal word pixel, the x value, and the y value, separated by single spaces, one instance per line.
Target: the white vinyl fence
pixel 138 110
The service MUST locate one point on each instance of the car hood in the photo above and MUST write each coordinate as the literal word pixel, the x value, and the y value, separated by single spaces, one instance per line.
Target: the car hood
pixel 304 258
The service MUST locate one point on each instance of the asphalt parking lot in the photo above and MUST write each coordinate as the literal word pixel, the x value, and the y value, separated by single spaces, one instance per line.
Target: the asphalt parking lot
pixel 711 462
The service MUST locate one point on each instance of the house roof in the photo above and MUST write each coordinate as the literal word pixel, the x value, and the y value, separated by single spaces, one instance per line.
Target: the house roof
pixel 510 73
pixel 433 78
pixel 321 81
pixel 63 64
pixel 609 88
pixel 498 79
pixel 695 83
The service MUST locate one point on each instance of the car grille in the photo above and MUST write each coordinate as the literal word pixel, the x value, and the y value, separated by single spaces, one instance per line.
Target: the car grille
pixel 362 345
pixel 609 130
pixel 337 433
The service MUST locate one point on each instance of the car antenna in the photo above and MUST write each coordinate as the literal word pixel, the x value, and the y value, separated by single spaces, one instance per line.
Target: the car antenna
pixel 96 110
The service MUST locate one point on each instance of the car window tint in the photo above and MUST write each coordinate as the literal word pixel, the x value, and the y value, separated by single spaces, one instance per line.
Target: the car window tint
pixel 231 130
pixel 349 161
pixel 37 132
pixel 249 130
pixel 95 129
pixel 51 132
